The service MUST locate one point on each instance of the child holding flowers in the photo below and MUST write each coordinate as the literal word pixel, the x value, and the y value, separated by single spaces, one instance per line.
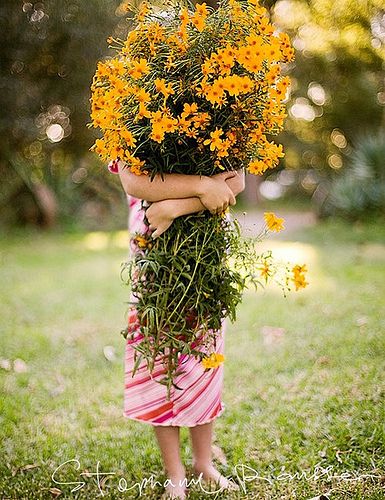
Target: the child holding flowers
pixel 200 402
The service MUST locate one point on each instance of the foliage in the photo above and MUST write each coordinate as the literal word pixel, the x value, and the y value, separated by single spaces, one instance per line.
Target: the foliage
pixel 48 51
pixel 360 188
pixel 337 81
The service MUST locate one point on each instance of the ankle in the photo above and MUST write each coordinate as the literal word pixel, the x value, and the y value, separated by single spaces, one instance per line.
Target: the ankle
pixel 178 472
pixel 201 465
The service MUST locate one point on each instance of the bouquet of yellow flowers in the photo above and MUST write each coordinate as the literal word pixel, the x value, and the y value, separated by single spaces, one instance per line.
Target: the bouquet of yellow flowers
pixel 193 90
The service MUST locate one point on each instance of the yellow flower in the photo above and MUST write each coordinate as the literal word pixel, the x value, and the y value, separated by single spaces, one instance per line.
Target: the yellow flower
pixel 214 141
pixel 192 133
pixel 142 95
pixel 160 86
pixel 140 68
pixel 189 109
pixel 299 276
pixel 256 134
pixel 201 120
pixel 144 10
pixel 257 167
pixel 299 269
pixel 157 134
pixel 213 361
pixel 136 164
pixel 143 112
pixel 299 281
pixel 273 222
pixel 184 17
pixel 223 148
pixel 142 241
pixel 200 14
pixel 265 270
pixel 201 9
pixel 128 137
pixel 207 67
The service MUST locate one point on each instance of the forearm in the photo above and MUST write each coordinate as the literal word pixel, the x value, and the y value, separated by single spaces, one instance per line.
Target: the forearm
pixel 173 186
pixel 237 183
pixel 186 206
pixel 190 205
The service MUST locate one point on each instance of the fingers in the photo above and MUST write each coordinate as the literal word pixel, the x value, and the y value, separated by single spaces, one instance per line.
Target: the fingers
pixel 156 231
pixel 230 174
pixel 232 200
pixel 220 209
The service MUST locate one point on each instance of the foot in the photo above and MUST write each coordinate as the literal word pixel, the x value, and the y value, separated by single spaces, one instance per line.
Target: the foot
pixel 210 474
pixel 175 487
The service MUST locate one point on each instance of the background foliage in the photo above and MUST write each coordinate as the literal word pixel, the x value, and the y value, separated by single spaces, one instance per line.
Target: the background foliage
pixel 49 52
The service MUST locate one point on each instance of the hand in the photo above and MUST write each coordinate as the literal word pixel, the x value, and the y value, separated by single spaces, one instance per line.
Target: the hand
pixel 217 195
pixel 236 183
pixel 160 216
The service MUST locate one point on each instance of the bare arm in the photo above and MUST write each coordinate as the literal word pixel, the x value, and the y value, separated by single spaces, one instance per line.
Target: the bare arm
pixel 187 206
pixel 161 214
pixel 173 185
pixel 213 192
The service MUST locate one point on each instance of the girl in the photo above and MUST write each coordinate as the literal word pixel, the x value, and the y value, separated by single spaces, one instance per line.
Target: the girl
pixel 200 402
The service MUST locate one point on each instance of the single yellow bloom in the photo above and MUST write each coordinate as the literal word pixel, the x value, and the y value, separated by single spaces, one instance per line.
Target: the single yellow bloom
pixel 128 137
pixel 265 270
pixel 299 269
pixel 142 241
pixel 213 361
pixel 157 135
pixel 142 96
pixel 198 22
pixel 201 9
pixel 143 112
pixel 257 167
pixel 189 109
pixel 299 281
pixel 214 141
pixel 273 222
pixel 140 68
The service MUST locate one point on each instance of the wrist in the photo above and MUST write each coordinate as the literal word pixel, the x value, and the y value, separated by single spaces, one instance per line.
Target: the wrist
pixel 202 185
pixel 170 208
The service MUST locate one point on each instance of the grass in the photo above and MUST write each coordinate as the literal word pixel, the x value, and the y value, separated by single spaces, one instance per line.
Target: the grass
pixel 304 385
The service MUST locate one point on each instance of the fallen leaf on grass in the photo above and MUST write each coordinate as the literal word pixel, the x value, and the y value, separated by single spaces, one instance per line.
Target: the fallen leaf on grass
pixel 55 492
pixel 109 353
pixel 323 360
pixel 23 468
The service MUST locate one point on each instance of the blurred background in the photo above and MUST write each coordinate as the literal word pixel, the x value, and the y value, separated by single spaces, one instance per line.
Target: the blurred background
pixel 334 135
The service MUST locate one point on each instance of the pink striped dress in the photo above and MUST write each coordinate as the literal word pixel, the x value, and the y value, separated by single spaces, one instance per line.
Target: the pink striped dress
pixel 200 399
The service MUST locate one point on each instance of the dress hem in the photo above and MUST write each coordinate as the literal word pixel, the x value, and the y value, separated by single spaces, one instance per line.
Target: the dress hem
pixel 165 424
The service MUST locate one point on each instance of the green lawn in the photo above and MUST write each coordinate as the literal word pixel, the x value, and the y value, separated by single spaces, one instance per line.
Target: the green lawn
pixel 309 401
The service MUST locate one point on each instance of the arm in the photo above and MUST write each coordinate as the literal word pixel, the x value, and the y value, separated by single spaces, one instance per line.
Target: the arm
pixel 173 186
pixel 187 206
pixel 161 214
pixel 213 192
